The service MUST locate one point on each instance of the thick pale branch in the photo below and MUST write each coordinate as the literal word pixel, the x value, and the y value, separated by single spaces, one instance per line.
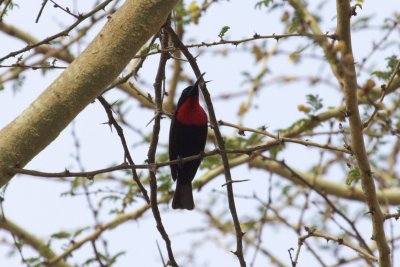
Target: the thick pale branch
pixel 391 196
pixel 120 39
pixel 42 248
pixel 99 230
pixel 348 80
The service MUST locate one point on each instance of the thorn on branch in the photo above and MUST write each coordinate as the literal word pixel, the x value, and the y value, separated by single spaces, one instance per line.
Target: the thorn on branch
pixel 241 132
pixel 235 181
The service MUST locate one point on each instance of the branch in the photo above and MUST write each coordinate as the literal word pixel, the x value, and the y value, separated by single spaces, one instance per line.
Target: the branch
pixel 322 193
pixel 115 45
pixel 151 154
pixel 308 21
pixel 127 154
pixel 99 230
pixel 225 229
pixel 155 165
pixel 258 37
pixel 220 142
pixel 136 214
pixel 42 248
pixel 243 129
pixel 340 241
pixel 41 10
pixel 4 10
pixel 60 34
pixel 340 190
pixel 348 80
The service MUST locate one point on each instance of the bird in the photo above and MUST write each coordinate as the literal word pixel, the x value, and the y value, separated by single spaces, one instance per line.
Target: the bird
pixel 187 137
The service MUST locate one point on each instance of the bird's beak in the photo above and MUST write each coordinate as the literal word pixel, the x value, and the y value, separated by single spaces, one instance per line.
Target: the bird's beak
pixel 198 80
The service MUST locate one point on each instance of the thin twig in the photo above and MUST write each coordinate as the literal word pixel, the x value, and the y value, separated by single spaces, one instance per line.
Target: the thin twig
pixel 66 10
pixel 316 233
pixel 161 255
pixel 127 155
pixel 395 73
pixel 154 165
pixel 62 33
pixel 243 129
pixel 4 10
pixel 41 10
pixel 325 197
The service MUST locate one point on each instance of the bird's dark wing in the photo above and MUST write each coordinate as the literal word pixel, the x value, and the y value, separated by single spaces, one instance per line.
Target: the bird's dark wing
pixel 202 138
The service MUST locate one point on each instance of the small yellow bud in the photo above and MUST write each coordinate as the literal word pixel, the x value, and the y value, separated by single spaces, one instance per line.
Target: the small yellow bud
pixel 294 57
pixel 304 108
pixel 348 59
pixel 339 47
pixel 382 114
pixel 369 85
pixel 360 93
pixel 285 16
pixel 380 105
pixel 193 7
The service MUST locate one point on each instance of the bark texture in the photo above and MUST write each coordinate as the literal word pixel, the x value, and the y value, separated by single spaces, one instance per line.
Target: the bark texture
pixel 87 76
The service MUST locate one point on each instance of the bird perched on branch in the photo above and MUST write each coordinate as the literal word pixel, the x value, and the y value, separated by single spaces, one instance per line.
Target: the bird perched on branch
pixel 187 137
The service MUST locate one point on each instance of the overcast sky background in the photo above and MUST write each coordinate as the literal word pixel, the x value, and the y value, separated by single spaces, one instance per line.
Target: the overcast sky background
pixel 36 204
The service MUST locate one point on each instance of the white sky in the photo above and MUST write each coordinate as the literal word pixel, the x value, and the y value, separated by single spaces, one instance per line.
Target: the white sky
pixel 36 204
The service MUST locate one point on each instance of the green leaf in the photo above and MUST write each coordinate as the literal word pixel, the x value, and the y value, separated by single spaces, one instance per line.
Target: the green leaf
pixel 222 32
pixel 79 231
pixel 275 150
pixel 298 126
pixel 114 258
pixel 294 25
pixel 45 67
pixel 361 22
pixel 165 182
pixel 263 3
pixel 61 235
pixel 390 68
pixel 32 259
pixel 315 102
pixel 353 175
pixel 210 162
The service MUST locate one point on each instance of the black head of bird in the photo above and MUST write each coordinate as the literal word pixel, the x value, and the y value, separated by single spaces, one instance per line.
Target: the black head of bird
pixel 191 91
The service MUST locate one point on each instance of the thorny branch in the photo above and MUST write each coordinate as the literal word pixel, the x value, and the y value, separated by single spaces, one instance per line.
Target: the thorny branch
pixel 221 145
pixel 127 155
pixel 62 33
pixel 160 77
pixel 311 232
pixel 348 80
pixel 249 153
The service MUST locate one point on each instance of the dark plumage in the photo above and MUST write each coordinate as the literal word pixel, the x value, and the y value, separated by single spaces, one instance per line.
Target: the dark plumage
pixel 187 137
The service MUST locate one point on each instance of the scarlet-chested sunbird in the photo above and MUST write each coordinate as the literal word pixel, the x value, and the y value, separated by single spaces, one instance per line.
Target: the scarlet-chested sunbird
pixel 187 137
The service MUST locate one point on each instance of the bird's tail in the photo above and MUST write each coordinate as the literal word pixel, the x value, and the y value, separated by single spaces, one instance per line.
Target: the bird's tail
pixel 183 197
